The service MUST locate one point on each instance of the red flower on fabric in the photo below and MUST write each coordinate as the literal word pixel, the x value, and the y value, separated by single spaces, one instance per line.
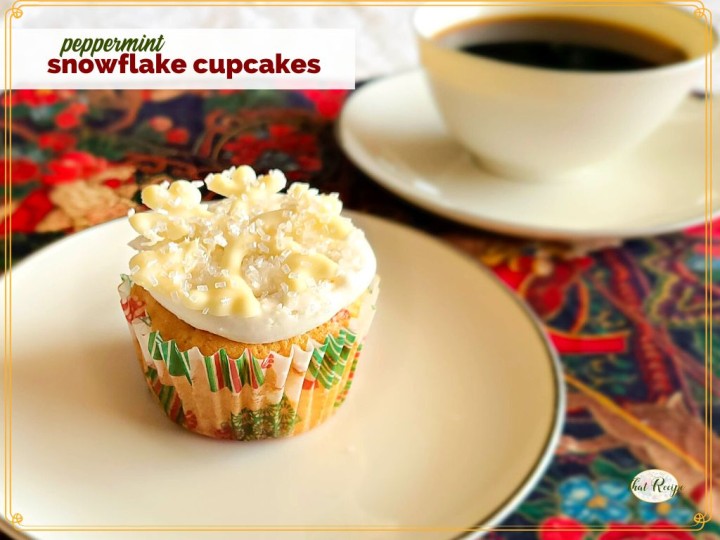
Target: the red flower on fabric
pixel 555 528
pixel 67 120
pixel 62 171
pixel 327 102
pixel 35 98
pixel 23 170
pixel 56 141
pixel 31 211
pixel 280 130
pixel 296 143
pixel 282 138
pixel 73 166
pixel 69 117
pixel 246 149
pixel 177 136
pixel 619 531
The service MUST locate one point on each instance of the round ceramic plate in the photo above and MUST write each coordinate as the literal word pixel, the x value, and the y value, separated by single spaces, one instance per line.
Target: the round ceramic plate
pixel 392 131
pixel 453 416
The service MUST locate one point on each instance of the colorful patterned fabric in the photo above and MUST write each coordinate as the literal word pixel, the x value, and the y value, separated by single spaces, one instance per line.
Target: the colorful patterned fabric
pixel 628 320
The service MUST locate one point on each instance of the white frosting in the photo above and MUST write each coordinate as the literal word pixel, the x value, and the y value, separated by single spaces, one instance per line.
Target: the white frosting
pixel 274 322
pixel 257 267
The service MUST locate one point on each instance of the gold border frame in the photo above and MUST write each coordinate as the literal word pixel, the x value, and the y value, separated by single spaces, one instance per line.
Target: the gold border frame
pixel 700 519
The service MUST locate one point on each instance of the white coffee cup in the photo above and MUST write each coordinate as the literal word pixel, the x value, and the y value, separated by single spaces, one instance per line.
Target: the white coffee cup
pixel 536 123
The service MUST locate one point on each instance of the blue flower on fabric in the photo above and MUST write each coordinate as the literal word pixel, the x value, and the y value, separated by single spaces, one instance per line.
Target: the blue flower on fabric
pixel 675 511
pixel 595 502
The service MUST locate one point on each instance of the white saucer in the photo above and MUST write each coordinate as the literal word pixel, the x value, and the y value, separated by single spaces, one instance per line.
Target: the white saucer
pixel 392 131
pixel 456 407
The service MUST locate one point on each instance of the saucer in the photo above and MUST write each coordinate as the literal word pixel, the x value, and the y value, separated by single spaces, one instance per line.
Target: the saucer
pixel 392 130
pixel 452 418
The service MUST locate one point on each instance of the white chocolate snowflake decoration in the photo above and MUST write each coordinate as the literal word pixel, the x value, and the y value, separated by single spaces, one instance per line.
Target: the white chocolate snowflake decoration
pixel 243 181
pixel 255 248
pixel 172 203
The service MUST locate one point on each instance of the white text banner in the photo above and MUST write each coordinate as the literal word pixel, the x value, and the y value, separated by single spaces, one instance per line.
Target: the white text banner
pixel 180 58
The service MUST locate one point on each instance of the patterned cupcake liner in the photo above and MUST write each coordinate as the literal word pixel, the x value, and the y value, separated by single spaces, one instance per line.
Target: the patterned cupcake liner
pixel 248 398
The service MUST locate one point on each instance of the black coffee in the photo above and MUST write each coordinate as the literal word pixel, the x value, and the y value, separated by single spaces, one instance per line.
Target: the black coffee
pixel 563 43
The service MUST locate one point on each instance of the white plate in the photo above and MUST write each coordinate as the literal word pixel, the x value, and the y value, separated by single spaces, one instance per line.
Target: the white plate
pixel 392 131
pixel 456 408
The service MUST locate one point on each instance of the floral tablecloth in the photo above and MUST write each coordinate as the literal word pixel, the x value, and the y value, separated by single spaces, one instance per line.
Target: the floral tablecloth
pixel 628 320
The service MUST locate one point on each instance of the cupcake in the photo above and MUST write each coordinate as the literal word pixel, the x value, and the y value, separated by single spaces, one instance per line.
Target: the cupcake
pixel 248 314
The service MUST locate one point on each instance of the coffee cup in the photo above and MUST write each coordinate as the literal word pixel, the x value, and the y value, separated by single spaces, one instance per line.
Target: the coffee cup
pixel 537 123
